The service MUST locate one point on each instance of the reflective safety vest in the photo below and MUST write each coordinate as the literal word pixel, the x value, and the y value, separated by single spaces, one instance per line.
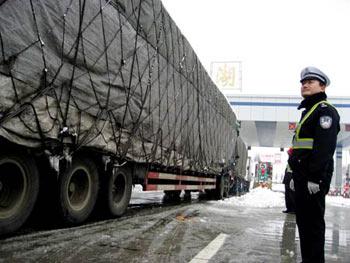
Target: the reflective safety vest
pixel 305 143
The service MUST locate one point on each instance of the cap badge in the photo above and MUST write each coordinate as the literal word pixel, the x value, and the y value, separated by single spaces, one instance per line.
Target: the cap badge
pixel 326 122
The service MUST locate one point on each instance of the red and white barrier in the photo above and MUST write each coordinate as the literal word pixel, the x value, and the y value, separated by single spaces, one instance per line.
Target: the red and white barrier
pixel 182 182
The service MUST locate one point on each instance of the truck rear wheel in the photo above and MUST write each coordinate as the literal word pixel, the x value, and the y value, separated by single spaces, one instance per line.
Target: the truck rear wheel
pixel 78 189
pixel 171 196
pixel 220 191
pixel 119 188
pixel 19 187
pixel 226 186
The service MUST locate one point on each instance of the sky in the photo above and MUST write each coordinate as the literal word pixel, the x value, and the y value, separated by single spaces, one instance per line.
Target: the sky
pixel 272 39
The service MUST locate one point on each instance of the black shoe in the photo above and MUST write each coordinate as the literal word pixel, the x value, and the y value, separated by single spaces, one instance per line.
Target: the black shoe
pixel 285 211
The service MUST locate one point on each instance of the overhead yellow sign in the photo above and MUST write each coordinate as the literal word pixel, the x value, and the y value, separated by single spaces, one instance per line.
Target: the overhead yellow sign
pixel 227 75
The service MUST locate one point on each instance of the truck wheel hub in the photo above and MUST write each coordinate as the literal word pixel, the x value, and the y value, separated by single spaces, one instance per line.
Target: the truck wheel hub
pixel 71 187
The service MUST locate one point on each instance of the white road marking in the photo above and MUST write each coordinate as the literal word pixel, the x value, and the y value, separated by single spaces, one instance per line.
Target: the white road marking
pixel 210 250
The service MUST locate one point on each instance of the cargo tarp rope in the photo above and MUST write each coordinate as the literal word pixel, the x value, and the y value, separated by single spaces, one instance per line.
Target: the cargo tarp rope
pixel 119 75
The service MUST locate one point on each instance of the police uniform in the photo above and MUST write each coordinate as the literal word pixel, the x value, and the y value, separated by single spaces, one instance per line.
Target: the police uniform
pixel 314 144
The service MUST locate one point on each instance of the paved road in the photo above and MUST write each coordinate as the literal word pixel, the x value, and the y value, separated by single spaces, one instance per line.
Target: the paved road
pixel 199 231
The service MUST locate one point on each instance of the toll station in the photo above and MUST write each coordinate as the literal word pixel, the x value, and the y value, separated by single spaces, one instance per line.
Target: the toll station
pixel 270 121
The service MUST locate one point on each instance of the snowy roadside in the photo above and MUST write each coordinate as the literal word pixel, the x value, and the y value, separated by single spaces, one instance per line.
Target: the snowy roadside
pixel 257 197
pixel 137 188
pixel 263 197
pixel 338 201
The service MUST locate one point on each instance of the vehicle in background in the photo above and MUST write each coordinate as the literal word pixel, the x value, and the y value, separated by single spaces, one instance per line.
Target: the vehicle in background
pixel 263 173
pixel 346 187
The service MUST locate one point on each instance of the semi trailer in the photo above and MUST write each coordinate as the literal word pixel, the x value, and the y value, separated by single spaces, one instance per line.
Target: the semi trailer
pixel 98 95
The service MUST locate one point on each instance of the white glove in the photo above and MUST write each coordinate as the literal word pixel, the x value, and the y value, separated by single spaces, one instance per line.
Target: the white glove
pixel 291 185
pixel 313 187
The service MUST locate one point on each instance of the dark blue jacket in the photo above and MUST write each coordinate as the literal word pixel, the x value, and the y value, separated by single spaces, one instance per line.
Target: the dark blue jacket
pixel 316 164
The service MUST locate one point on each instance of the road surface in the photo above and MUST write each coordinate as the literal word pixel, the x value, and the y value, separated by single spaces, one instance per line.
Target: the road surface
pixel 197 231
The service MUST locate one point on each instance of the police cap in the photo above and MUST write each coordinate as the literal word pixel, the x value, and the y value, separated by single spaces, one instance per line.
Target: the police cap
pixel 314 73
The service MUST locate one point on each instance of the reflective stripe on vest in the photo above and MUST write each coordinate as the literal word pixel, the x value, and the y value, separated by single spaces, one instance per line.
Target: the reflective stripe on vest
pixel 305 143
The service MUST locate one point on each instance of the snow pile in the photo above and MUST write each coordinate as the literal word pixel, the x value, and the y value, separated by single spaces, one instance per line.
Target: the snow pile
pixel 263 197
pixel 258 197
pixel 338 201
pixel 137 188
pixel 278 187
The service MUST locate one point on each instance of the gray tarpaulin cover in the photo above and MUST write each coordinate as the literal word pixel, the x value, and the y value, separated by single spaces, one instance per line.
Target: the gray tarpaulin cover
pixel 114 75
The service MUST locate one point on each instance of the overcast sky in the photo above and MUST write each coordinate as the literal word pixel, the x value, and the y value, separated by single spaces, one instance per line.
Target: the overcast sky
pixel 274 39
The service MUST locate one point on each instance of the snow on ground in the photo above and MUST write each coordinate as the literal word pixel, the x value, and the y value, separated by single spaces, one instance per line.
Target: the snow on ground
pixel 278 187
pixel 258 197
pixel 338 201
pixel 137 188
pixel 263 197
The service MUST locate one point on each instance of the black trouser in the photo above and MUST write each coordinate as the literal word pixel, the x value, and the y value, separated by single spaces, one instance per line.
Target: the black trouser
pixel 289 198
pixel 310 211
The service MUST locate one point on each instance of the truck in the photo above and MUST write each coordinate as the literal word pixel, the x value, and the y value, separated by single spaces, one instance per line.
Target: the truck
pixel 97 96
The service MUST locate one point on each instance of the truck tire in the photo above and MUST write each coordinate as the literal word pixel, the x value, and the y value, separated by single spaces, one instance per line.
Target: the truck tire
pixel 226 186
pixel 78 189
pixel 220 191
pixel 171 196
pixel 119 186
pixel 187 195
pixel 19 187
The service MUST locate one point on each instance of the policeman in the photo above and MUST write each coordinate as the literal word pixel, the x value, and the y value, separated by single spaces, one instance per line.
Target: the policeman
pixel 311 160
